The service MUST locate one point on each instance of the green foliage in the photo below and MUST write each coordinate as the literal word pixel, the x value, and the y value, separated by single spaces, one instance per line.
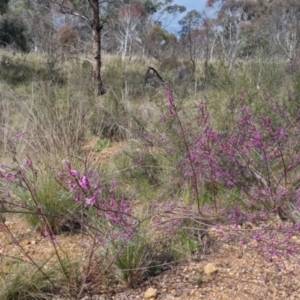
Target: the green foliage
pixel 18 70
pixel 295 105
pixel 41 195
pixel 190 21
pixel 185 243
pixel 101 144
pixel 215 192
pixel 13 33
pixel 210 76
pixel 113 117
pixel 125 82
pixel 149 6
pixel 144 166
pixel 175 9
pixel 27 283
pixel 134 262
pixel 3 6
pixel 159 42
pixel 170 64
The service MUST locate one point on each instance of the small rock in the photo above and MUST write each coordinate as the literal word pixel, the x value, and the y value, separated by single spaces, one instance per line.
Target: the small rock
pixel 210 269
pixel 151 293
pixel 173 292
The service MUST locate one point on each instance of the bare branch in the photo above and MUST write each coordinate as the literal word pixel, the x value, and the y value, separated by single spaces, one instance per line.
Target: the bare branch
pixel 67 10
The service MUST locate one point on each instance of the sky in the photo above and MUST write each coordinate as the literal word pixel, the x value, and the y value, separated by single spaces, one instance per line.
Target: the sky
pixel 189 4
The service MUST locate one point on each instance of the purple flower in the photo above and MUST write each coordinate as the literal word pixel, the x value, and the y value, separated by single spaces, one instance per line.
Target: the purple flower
pixel 90 200
pixel 230 183
pixel 170 100
pixel 46 233
pixel 28 162
pixel 257 237
pixel 73 172
pixel 256 139
pixel 77 198
pixel 84 181
pixel 72 186
pixel 281 132
pixel 8 176
pixel 232 139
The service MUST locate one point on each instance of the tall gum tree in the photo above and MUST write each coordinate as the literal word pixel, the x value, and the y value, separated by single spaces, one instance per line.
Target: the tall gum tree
pixel 130 18
pixel 232 17
pixel 190 23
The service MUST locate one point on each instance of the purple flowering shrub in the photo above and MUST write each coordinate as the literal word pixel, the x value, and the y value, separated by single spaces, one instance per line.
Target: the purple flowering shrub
pixel 56 197
pixel 73 195
pixel 258 155
pixel 256 158
pixel 107 204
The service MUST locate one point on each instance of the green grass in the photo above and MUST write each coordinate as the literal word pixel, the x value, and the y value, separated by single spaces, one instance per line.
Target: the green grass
pixel 101 144
pixel 184 244
pixel 133 264
pixel 42 194
pixel 24 283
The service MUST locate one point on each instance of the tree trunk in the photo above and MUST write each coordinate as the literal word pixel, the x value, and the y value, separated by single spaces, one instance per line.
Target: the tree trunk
pixel 96 36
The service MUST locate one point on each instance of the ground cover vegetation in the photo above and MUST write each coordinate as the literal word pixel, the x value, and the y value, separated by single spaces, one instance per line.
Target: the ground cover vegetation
pixel 145 146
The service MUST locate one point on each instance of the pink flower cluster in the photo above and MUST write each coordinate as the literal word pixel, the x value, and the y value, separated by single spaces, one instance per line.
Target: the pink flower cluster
pixel 108 205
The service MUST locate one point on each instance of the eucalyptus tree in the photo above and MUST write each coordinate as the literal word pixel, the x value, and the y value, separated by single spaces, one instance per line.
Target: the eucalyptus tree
pixel 160 43
pixel 129 22
pixel 190 24
pixel 232 18
pixel 283 19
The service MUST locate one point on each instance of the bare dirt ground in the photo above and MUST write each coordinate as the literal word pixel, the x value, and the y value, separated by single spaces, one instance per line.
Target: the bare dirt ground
pixel 103 155
pixel 237 277
pixel 240 272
